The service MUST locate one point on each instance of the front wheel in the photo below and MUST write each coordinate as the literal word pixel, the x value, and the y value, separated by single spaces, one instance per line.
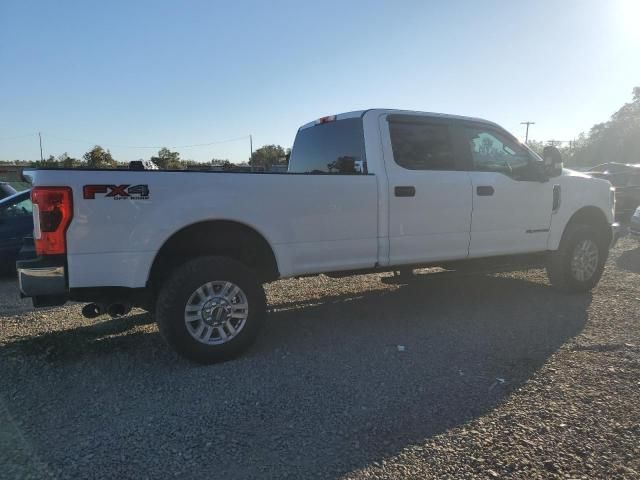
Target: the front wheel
pixel 578 263
pixel 210 309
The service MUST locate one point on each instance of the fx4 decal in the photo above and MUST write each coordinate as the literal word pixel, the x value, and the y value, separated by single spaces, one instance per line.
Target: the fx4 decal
pixel 117 192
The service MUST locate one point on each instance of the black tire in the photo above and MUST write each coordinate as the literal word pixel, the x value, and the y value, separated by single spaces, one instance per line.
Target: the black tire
pixel 559 268
pixel 183 282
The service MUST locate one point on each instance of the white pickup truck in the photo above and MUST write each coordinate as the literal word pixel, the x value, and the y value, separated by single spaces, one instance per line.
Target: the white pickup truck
pixel 365 191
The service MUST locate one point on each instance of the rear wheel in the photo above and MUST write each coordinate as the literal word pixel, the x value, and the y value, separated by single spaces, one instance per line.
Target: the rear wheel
pixel 578 263
pixel 210 309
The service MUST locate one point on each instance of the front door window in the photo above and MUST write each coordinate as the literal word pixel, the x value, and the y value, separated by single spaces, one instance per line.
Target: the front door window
pixel 492 152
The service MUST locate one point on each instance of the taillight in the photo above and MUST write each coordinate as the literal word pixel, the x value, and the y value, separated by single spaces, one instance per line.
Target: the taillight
pixel 52 213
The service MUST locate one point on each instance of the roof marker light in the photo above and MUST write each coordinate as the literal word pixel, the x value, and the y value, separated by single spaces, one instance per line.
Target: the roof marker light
pixel 327 119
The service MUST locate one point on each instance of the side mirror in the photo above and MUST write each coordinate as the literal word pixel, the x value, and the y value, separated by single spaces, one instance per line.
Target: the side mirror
pixel 552 161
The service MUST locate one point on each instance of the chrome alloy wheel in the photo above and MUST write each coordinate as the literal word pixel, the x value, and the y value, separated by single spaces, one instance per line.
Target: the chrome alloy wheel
pixel 216 312
pixel 584 261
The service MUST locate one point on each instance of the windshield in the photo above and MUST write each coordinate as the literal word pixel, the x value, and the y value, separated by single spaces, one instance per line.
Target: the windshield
pixel 6 190
pixel 14 196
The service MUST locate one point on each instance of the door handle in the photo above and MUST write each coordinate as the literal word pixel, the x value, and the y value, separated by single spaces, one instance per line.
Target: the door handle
pixel 485 190
pixel 405 191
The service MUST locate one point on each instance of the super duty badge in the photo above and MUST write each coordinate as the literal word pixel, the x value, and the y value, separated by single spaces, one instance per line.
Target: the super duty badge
pixel 117 192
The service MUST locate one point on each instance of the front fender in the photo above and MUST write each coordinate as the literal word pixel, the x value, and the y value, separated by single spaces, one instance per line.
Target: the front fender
pixel 578 192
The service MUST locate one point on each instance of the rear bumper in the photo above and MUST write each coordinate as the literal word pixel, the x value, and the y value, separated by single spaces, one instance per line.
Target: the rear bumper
pixel 42 277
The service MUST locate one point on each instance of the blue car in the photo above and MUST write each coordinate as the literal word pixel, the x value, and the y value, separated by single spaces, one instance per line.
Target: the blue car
pixel 16 222
pixel 634 225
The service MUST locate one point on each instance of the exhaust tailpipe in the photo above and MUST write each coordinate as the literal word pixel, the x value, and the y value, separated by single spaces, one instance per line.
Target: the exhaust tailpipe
pixel 93 310
pixel 118 309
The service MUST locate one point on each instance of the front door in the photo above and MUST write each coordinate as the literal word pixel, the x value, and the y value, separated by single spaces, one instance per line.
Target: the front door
pixel 429 191
pixel 512 208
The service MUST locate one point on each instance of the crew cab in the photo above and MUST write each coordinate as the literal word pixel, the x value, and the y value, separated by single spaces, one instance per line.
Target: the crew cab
pixel 365 191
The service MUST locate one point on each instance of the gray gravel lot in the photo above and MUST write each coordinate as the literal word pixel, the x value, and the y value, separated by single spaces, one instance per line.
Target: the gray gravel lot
pixel 496 376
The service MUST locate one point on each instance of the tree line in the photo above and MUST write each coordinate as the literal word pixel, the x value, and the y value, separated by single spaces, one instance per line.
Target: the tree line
pixel 616 140
pixel 264 158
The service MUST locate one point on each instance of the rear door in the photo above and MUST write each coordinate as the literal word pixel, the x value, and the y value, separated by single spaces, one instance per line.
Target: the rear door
pixel 429 191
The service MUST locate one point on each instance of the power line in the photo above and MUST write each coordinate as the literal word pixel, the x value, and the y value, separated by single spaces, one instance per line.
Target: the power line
pixel 83 142
pixel 112 145
pixel 18 136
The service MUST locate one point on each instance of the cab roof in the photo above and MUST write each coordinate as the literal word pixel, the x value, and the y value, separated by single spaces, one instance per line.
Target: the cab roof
pixel 361 113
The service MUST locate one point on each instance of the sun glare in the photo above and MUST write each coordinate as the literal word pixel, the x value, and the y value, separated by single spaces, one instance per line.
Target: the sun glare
pixel 629 15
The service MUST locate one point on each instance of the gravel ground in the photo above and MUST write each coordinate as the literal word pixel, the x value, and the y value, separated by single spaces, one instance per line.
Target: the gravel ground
pixel 469 377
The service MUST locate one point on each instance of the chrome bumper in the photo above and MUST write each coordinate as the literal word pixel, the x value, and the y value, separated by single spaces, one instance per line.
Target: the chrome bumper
pixel 38 278
pixel 634 226
pixel 617 231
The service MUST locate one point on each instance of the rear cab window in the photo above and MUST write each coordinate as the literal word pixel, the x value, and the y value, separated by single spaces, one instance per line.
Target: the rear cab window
pixel 334 147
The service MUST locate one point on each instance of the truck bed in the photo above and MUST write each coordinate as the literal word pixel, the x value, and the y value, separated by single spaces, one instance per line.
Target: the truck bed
pixel 313 223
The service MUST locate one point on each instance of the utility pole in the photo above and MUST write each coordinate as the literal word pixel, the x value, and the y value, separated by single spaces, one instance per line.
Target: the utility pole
pixel 526 136
pixel 251 146
pixel 40 136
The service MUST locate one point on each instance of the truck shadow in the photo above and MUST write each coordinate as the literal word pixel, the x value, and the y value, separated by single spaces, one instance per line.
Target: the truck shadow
pixel 100 338
pixel 369 375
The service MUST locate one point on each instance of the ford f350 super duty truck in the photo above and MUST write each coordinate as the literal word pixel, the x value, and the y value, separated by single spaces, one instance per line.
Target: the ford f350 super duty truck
pixel 365 191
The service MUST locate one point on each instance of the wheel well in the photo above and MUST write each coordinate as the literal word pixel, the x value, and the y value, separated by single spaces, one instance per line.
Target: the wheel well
pixel 219 237
pixel 595 217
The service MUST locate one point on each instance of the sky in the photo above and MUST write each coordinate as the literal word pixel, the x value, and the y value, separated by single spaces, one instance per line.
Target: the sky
pixel 126 74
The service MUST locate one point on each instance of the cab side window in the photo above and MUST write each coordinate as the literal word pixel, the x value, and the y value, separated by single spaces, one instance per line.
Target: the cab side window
pixel 421 146
pixel 493 152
